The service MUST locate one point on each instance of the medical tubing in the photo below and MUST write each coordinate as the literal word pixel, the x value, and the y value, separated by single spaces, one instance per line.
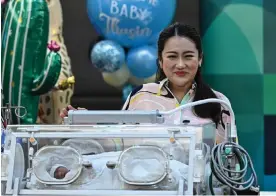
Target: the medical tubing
pixel 211 184
pixel 212 100
pixel 221 172
pixel 207 154
pixel 231 181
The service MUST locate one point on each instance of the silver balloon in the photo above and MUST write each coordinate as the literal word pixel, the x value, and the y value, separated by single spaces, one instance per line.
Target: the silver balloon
pixel 107 56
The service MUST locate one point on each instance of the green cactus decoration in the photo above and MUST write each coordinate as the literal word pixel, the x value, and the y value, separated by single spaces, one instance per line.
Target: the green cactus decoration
pixel 28 68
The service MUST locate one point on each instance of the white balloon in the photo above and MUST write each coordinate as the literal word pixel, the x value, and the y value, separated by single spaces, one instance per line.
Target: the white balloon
pixel 117 78
pixel 139 81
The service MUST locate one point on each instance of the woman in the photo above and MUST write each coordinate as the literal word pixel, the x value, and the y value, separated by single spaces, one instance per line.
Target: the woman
pixel 178 81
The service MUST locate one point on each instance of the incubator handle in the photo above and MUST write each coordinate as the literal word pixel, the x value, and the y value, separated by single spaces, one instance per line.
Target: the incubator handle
pixel 111 164
pixel 113 117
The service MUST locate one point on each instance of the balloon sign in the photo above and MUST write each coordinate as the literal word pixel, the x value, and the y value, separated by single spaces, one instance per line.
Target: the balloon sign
pixel 130 22
pixel 107 56
pixel 141 61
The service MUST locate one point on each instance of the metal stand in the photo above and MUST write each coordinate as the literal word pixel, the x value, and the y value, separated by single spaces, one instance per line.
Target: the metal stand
pixel 16 187
pixel 8 113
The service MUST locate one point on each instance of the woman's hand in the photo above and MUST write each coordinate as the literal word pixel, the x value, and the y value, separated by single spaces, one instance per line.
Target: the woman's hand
pixel 64 112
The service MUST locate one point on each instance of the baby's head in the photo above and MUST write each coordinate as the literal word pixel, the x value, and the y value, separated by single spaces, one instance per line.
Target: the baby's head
pixel 59 171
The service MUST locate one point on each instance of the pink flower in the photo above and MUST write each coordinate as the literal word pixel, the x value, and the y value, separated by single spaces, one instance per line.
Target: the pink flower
pixel 53 46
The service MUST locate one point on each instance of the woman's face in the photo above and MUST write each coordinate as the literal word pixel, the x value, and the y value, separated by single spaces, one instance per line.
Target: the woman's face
pixel 180 60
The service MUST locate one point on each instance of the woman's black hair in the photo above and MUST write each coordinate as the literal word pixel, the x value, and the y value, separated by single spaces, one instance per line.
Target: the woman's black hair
pixel 203 91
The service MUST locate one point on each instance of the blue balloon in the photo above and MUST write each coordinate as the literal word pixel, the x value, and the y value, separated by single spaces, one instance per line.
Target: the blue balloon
pixel 141 61
pixel 154 40
pixel 131 23
pixel 127 90
pixel 107 56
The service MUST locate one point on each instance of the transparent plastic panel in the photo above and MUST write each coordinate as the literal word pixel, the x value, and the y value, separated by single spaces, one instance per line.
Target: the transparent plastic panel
pixel 57 164
pixel 151 163
pixel 111 157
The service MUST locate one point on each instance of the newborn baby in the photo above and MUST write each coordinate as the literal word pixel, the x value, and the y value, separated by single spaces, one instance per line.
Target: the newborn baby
pixel 59 171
